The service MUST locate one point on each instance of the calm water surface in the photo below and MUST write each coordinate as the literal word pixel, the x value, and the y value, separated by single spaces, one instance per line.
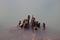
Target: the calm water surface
pixel 16 33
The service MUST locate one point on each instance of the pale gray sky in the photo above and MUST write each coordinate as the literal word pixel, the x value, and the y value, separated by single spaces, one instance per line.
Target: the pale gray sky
pixel 44 10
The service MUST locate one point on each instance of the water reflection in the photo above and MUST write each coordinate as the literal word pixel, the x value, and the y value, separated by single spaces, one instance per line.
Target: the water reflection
pixel 18 34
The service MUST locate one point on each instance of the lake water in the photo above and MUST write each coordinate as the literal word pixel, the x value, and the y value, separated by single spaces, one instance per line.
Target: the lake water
pixel 16 33
pixel 11 11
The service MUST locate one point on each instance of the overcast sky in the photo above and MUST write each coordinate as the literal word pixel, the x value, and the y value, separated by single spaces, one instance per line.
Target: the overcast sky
pixel 11 11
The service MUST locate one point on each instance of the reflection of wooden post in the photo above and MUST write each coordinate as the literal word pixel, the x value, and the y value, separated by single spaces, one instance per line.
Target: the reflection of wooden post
pixel 43 26
pixel 34 36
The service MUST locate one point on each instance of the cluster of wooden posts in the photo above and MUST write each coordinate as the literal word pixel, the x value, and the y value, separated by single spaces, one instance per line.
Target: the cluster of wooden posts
pixel 33 24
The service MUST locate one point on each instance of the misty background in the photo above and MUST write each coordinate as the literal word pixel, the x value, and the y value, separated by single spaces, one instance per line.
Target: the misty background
pixel 48 11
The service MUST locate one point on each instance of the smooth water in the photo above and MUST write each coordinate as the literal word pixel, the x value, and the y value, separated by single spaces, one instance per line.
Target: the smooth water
pixel 11 11
pixel 16 33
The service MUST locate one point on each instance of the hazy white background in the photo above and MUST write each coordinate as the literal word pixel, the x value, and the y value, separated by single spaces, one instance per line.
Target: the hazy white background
pixel 48 11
